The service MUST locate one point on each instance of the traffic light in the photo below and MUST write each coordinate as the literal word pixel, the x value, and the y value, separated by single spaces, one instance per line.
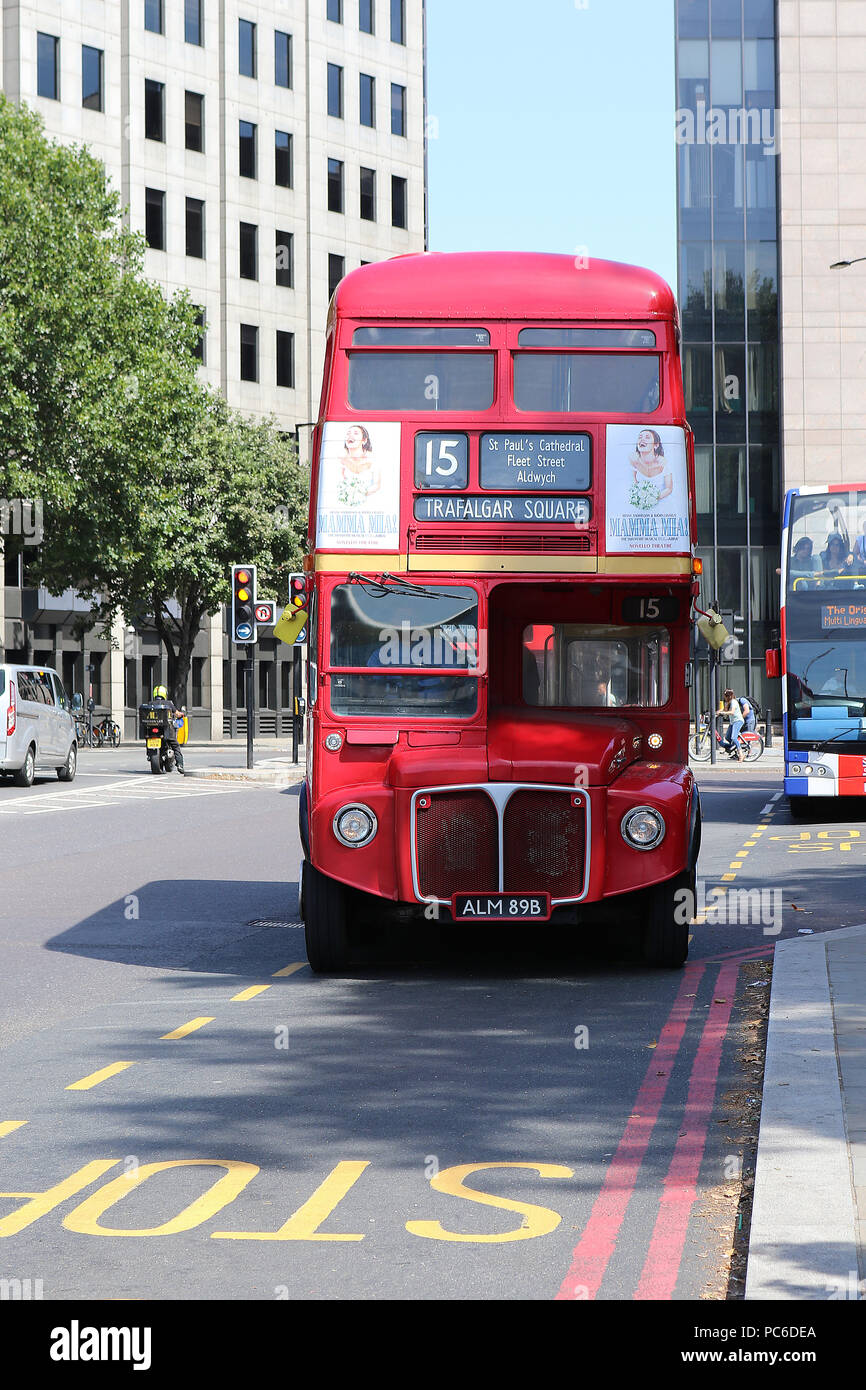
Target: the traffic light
pixel 299 591
pixel 296 612
pixel 243 603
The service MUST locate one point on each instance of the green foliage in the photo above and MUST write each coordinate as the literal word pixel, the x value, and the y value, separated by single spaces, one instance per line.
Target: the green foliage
pixel 151 487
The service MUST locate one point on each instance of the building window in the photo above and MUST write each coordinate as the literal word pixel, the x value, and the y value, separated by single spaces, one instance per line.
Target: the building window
pixel 47 52
pixel 398 109
pixel 336 271
pixel 194 227
pixel 398 21
pixel 154 218
pixel 249 352
pixel 335 11
pixel 154 109
pixel 398 201
pixel 247 150
pixel 283 173
pixel 282 59
pixel 366 16
pixel 153 16
pixel 335 90
pixel 199 349
pixel 335 185
pixel 198 681
pixel 130 686
pixel 285 259
pixel 246 48
pixel 194 118
pixel 285 359
pixel 91 78
pixel 368 99
pixel 192 22
pixel 249 251
pixel 368 194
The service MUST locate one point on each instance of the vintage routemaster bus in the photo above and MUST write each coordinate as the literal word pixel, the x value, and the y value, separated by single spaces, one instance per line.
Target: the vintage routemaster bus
pixel 499 592
pixel 823 654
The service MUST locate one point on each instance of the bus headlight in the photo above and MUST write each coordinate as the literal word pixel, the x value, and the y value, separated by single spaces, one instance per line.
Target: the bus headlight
pixel 820 770
pixel 642 828
pixel 795 770
pixel 355 826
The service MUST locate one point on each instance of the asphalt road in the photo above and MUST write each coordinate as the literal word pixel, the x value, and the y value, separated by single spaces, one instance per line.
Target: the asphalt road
pixel 186 1112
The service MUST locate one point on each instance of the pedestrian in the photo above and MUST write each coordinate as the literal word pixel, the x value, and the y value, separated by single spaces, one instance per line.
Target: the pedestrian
pixel 736 720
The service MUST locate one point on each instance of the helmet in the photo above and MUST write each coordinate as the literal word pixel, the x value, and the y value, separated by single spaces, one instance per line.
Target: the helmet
pixel 160 692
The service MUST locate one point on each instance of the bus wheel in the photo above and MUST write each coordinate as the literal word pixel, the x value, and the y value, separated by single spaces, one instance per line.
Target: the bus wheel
pixel 326 922
pixel 665 936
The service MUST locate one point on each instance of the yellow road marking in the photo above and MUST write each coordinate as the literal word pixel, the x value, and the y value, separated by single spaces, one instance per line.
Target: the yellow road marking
pixel 185 1028
pixel 305 1222
pixel 7 1126
pixel 249 993
pixel 290 969
pixel 750 844
pixel 87 1082
pixel 736 864
pixel 727 878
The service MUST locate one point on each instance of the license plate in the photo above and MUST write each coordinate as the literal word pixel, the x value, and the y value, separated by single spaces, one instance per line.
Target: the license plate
pixel 154 742
pixel 500 907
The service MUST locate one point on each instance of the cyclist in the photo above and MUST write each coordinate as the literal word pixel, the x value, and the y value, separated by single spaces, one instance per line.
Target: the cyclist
pixel 161 701
pixel 733 709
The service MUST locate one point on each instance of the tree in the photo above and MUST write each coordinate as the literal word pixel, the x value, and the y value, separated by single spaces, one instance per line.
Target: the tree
pixel 232 491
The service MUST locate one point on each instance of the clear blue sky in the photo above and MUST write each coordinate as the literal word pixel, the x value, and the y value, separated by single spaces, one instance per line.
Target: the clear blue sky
pixel 552 127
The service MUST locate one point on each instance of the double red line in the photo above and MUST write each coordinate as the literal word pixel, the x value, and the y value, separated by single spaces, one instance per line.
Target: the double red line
pixel 664 1257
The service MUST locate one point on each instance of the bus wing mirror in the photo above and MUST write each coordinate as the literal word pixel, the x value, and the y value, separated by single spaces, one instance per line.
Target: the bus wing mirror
pixel 773 661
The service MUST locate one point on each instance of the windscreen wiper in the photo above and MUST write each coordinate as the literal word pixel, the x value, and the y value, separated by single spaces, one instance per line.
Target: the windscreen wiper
pixel 377 588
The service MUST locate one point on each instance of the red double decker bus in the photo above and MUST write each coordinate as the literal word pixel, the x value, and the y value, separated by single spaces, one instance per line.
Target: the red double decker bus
pixel 499 592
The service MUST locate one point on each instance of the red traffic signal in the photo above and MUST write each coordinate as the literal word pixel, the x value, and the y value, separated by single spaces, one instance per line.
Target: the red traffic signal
pixel 299 591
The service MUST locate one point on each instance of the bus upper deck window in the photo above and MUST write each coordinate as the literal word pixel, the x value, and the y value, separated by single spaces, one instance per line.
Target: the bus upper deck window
pixel 577 382
pixel 421 381
pixel 420 335
pixel 587 337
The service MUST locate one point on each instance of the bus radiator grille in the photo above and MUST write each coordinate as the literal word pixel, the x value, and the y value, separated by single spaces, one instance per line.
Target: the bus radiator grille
pixel 457 844
pixel 514 543
pixel 544 839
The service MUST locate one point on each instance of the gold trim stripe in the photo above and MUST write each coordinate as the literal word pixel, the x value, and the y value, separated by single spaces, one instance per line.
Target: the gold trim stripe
pixel 637 565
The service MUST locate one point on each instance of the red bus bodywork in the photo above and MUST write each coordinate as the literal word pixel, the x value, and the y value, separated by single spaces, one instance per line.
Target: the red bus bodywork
pixel 538 792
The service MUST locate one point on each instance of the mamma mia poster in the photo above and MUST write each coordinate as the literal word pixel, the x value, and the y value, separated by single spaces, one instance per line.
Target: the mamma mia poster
pixel 646 489
pixel 359 486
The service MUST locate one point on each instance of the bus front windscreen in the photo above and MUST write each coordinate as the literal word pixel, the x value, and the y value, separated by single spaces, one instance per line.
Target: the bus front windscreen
pixel 827 542
pixel 433 631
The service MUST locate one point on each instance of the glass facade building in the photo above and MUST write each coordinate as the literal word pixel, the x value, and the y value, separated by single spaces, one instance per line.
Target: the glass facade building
pixel 727 227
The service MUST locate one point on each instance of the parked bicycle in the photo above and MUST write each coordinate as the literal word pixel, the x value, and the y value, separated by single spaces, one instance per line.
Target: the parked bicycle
pixel 109 733
pixel 751 744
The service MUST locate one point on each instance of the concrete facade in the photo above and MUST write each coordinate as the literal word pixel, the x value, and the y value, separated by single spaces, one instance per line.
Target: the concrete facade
pixel 822 59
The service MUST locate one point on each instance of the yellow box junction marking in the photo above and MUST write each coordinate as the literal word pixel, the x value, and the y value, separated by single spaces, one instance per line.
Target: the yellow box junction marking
pixel 290 969
pixel 185 1029
pixel 88 1082
pixel 9 1126
pixel 249 993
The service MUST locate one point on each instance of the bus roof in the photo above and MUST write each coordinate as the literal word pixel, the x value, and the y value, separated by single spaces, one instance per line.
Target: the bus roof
pixel 503 285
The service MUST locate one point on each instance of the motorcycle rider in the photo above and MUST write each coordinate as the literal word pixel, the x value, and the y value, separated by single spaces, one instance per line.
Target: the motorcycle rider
pixel 161 701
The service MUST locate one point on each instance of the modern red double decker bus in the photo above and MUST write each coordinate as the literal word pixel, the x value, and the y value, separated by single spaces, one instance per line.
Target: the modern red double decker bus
pixel 499 590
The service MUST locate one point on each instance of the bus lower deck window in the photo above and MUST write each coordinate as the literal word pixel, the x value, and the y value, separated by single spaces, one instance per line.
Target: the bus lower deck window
pixel 582 665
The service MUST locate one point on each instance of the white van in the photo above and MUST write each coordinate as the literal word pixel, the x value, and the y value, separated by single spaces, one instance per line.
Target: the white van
pixel 37 728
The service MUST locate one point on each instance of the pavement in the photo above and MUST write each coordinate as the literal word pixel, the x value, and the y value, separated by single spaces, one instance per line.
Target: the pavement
pixel 808 1232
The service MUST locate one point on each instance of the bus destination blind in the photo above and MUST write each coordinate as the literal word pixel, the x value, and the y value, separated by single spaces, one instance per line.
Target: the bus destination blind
pixel 842 615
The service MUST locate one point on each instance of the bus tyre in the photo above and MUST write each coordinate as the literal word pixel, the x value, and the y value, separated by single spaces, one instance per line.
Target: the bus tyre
pixel 326 922
pixel 665 936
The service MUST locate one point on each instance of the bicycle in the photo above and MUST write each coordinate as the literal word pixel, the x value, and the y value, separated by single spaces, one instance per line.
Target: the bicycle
pixel 108 732
pixel 750 742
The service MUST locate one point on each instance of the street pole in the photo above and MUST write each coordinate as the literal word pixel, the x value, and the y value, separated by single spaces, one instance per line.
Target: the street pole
pixel 251 701
pixel 713 702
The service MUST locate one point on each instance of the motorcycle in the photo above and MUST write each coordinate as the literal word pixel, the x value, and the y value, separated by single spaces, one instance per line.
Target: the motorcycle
pixel 154 723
